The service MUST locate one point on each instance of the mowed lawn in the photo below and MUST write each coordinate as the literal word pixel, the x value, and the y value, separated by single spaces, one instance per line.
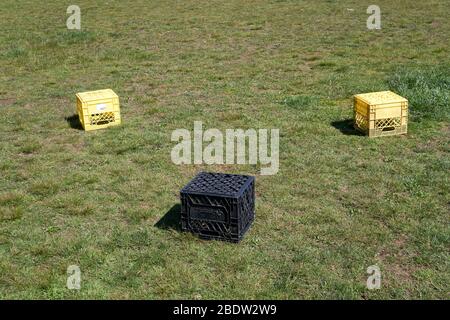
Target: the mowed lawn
pixel 107 200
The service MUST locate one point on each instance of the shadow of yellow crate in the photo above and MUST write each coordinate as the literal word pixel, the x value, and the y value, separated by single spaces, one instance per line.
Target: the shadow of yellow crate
pixel 98 109
pixel 379 114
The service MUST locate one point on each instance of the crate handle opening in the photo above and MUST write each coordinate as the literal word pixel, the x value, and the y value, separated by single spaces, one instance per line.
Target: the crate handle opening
pixel 103 122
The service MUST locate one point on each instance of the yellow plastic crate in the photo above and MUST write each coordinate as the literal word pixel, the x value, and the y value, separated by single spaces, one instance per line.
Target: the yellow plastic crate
pixel 98 109
pixel 381 113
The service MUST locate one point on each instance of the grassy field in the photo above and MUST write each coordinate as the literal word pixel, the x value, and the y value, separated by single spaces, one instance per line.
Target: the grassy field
pixel 108 200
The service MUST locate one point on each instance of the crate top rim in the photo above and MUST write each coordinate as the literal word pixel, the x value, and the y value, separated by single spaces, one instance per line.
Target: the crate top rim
pixel 235 195
pixel 96 95
pixel 380 97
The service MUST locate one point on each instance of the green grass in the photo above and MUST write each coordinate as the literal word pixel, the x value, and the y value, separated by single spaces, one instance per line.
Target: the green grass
pixel 300 101
pixel 429 89
pixel 340 202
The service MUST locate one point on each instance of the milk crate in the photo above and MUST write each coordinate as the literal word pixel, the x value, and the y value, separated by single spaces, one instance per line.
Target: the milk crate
pixel 98 109
pixel 380 113
pixel 218 206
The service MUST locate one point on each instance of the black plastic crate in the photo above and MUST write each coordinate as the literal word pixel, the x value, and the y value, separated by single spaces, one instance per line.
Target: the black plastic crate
pixel 218 206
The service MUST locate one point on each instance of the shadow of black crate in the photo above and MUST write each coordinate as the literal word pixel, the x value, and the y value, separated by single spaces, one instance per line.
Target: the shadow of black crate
pixel 171 220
